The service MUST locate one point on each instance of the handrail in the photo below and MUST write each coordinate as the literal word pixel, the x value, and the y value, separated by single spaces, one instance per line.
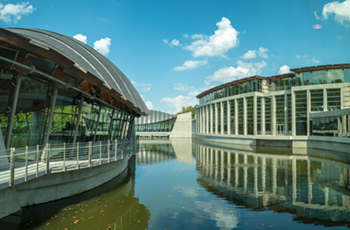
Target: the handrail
pixel 32 163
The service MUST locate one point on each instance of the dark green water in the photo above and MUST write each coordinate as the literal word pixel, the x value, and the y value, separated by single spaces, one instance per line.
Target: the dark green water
pixel 188 185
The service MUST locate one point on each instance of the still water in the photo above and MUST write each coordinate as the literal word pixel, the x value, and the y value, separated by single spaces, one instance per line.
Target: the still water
pixel 189 185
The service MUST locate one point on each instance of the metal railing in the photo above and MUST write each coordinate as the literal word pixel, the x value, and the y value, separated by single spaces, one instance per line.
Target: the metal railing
pixel 19 165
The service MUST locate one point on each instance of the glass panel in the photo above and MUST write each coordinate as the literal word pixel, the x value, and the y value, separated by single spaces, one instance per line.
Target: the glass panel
pixel 347 75
pixel 240 116
pixel 316 100
pixel 232 120
pixel 258 115
pixel 333 99
pixel 224 107
pixel 213 111
pixel 219 116
pixel 280 113
pixel 301 112
pixel 267 115
pixel 250 115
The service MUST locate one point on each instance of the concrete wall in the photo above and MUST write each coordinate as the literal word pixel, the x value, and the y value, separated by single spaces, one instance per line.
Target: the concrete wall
pixel 183 126
pixel 57 186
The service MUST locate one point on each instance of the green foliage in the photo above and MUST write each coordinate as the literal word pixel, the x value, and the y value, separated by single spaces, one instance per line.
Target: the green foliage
pixel 190 108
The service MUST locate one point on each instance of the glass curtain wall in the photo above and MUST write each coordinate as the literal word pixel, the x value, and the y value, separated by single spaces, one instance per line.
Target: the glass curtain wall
pixel 316 100
pixel 219 116
pixel 258 115
pixel 213 123
pixel 233 115
pixel 289 108
pixel 301 112
pixel 224 107
pixel 240 116
pixel 268 112
pixel 209 119
pixel 250 115
pixel 333 99
pixel 280 114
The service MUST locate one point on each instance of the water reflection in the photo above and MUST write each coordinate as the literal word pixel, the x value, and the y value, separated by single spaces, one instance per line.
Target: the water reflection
pixel 315 189
pixel 110 206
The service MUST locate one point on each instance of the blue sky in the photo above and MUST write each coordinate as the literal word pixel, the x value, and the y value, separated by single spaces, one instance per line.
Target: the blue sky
pixel 173 50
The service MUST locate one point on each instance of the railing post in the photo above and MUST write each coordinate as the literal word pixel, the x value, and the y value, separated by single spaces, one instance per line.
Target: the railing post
pixel 64 157
pixel 26 172
pixel 37 160
pixel 115 150
pixel 77 155
pixel 108 144
pixel 100 152
pixel 47 158
pixel 12 167
pixel 90 152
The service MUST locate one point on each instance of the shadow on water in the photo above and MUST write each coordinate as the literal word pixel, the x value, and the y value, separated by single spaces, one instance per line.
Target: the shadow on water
pixel 111 205
pixel 313 186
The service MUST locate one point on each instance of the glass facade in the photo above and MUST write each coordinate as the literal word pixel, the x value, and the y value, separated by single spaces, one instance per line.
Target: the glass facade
pixel 240 116
pixel 268 112
pixel 301 112
pixel 218 114
pixel 224 107
pixel 232 116
pixel 250 115
pixel 163 126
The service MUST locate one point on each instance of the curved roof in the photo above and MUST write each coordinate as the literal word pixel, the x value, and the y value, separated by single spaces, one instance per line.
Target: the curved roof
pixel 86 59
pixel 154 117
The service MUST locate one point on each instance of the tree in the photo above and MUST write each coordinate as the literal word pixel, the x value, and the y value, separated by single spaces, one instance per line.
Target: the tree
pixel 190 108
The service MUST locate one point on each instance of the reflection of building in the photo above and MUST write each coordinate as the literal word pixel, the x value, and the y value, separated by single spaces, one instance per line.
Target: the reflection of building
pixel 309 186
pixel 163 125
pixel 283 107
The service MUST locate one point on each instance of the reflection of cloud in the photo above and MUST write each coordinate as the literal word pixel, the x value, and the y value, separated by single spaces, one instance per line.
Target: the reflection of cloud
pixel 219 211
pixel 189 192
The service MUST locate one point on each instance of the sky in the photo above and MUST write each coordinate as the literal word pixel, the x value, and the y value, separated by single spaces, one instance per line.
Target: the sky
pixel 174 50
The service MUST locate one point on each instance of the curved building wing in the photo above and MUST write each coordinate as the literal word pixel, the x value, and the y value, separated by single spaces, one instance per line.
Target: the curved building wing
pixel 89 62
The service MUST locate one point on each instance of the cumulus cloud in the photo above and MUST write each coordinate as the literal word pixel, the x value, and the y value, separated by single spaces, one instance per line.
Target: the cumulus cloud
pixel 341 11
pixel 149 105
pixel 284 69
pixel 198 36
pixel 81 38
pixel 175 104
pixel 218 44
pixel 249 55
pixel 262 52
pixel 182 87
pixel 103 45
pixel 13 13
pixel 314 60
pixel 175 42
pixel 242 70
pixel 190 65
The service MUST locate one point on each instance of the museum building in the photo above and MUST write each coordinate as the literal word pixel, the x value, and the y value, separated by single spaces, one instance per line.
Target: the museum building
pixel 309 103
pixel 55 89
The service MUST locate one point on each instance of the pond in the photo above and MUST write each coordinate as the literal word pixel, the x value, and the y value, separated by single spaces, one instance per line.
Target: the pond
pixel 182 184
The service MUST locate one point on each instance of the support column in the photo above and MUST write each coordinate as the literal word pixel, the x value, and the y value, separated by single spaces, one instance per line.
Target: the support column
pixel 308 108
pixel 294 179
pixel 293 114
pixel 286 114
pixel 236 117
pixel 263 124
pixel 78 120
pixel 340 127
pixel 222 117
pixel 216 118
pixel 207 119
pixel 52 110
pixel 255 112
pixel 228 117
pixel 245 129
pixel 200 119
pixel 344 125
pixel 13 111
pixel 273 115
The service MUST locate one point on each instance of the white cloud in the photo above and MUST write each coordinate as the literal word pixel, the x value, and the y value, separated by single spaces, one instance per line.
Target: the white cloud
pixel 242 70
pixel 317 26
pixel 103 45
pixel 175 104
pixel 190 65
pixel 81 38
pixel 13 13
pixel 302 56
pixel 249 55
pixel 185 35
pixel 341 11
pixel 149 105
pixel 284 69
pixel 262 52
pixel 225 38
pixel 316 16
pixel 314 60
pixel 175 42
pixel 179 86
pixel 145 87
pixel 198 36
pixel 165 41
